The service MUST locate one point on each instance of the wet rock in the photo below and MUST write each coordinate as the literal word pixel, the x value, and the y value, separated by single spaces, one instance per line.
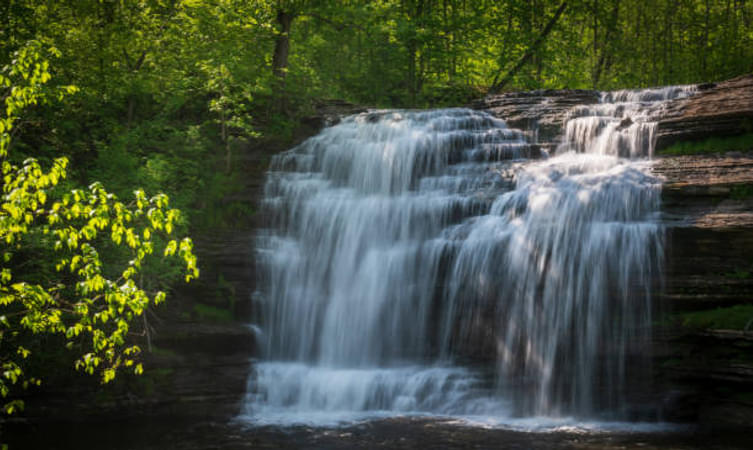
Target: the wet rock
pixel 707 204
pixel 625 123
pixel 723 109
pixel 542 112
pixel 708 210
pixel 707 191
pixel 330 112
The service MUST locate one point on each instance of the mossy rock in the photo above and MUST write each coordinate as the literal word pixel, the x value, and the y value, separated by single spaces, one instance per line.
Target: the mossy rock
pixel 735 317
pixel 739 143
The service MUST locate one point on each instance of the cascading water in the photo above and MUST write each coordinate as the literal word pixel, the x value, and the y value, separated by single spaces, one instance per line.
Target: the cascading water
pixel 406 250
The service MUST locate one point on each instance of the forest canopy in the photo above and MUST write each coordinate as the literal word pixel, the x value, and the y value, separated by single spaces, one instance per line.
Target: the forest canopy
pixel 140 53
pixel 168 88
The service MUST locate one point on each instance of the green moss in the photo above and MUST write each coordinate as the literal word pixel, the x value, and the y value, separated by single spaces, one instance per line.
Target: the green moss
pixel 225 290
pixel 739 274
pixel 161 373
pixel 742 142
pixel 211 314
pixel 731 318
pixel 674 362
pixel 741 191
pixel 159 351
pixel 745 397
pixel 146 385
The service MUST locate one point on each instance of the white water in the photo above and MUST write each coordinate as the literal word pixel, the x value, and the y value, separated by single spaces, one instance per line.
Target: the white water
pixel 403 245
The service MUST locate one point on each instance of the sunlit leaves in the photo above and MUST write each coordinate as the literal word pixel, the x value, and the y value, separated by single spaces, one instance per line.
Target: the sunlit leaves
pixel 31 66
pixel 91 309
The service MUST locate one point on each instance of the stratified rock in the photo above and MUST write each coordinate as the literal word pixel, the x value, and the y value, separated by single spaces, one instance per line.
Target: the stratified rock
pixel 707 191
pixel 708 210
pixel 541 111
pixel 330 112
pixel 722 110
pixel 707 206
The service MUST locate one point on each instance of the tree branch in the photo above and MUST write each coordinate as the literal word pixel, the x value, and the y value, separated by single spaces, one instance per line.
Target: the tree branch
pixel 497 86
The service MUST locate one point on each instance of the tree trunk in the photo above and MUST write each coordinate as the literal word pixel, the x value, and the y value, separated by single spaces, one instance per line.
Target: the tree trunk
pixel 595 43
pixel 704 53
pixel 133 67
pixel 280 59
pixel 604 57
pixel 497 86
pixel 226 140
pixel 282 45
pixel 412 72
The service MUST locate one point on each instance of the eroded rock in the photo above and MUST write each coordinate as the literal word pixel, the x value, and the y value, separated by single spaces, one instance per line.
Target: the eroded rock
pixel 542 112
pixel 708 210
pixel 723 109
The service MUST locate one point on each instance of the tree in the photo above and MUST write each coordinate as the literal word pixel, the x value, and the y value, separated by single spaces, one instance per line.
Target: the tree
pixel 83 298
pixel 498 85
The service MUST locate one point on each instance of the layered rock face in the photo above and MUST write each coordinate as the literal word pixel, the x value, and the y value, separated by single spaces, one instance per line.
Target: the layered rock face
pixel 543 112
pixel 704 328
pixel 705 338
pixel 717 109
pixel 722 109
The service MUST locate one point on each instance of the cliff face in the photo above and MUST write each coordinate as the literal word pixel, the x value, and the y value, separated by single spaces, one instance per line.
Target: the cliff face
pixel 703 357
pixel 542 111
pixel 703 347
pixel 704 333
pixel 722 109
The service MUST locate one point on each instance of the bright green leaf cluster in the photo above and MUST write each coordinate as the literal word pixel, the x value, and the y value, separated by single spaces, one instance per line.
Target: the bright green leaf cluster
pixel 93 311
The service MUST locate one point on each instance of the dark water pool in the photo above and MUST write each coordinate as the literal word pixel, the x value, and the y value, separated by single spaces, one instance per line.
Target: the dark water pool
pixel 394 433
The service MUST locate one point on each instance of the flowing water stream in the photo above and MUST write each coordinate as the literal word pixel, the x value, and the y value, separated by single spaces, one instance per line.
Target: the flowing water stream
pixel 440 263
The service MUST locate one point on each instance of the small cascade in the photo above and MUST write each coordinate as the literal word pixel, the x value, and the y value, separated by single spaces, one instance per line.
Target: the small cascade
pixel 437 262
pixel 622 124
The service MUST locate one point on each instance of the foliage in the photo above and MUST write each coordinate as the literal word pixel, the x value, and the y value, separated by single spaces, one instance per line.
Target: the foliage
pixel 400 52
pixel 88 301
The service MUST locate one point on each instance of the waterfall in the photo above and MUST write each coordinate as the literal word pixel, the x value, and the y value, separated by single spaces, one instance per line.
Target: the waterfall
pixel 438 262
